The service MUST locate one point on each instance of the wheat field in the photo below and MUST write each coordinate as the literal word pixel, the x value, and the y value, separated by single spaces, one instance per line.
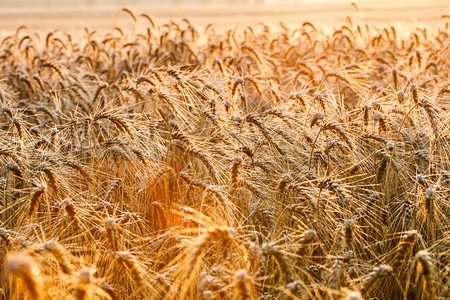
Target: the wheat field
pixel 173 161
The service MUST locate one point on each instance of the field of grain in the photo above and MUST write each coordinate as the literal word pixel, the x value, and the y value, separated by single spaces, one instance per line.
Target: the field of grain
pixel 168 160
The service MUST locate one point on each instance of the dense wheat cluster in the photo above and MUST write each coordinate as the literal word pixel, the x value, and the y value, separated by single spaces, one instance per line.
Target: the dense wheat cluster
pixel 265 162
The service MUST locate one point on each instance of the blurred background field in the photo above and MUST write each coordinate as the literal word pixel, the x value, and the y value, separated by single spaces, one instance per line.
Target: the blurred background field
pixel 101 14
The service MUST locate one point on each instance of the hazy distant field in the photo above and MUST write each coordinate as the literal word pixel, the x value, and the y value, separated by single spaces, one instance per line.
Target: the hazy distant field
pixel 402 13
